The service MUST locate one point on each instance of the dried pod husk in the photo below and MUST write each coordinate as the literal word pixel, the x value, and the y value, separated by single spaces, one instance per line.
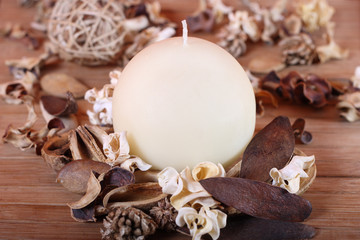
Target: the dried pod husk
pixel 264 97
pixel 58 106
pixel 258 199
pixel 246 227
pixel 56 151
pixel 58 84
pixel 146 176
pixel 305 183
pixel 139 195
pixel 74 175
pixel 266 64
pixel 270 147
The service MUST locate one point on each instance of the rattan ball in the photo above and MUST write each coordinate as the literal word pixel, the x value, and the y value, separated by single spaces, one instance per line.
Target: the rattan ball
pixel 88 32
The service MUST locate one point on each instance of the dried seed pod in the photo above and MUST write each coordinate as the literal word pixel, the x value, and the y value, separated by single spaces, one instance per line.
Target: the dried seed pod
pixel 140 195
pixel 303 136
pixel 258 199
pixel 74 175
pixel 58 84
pixel 270 147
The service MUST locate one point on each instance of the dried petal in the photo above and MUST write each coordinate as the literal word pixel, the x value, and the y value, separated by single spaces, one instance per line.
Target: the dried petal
pixel 75 175
pixel 258 199
pixel 270 147
pixel 206 221
pixel 290 176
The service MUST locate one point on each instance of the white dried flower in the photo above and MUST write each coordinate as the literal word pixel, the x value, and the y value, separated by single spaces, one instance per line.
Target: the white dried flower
pixel 315 14
pixel 206 221
pixel 102 101
pixel 185 187
pixel 289 177
pixel 117 150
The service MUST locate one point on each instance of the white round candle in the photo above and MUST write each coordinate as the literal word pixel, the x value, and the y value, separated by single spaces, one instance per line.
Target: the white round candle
pixel 184 101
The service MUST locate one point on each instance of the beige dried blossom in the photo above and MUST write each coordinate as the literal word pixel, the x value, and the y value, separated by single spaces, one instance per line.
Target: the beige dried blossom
pixel 356 78
pixel 349 106
pixel 331 50
pixel 185 187
pixel 315 14
pixel 290 176
pixel 206 221
pixel 102 101
pixel 117 151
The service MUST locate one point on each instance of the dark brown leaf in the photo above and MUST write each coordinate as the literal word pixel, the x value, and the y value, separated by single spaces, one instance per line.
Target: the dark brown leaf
pixel 250 228
pixel 74 175
pixel 271 82
pixel 258 199
pixel 57 106
pixel 269 148
pixel 300 134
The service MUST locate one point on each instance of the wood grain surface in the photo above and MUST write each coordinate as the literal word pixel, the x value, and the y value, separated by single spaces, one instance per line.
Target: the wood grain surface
pixel 33 206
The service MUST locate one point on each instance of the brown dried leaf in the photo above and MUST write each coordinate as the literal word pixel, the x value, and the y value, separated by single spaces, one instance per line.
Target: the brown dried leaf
pixel 246 227
pixel 74 175
pixel 92 192
pixel 139 195
pixel 258 199
pixel 58 84
pixel 270 147
pixel 300 134
pixel 57 106
pixel 203 21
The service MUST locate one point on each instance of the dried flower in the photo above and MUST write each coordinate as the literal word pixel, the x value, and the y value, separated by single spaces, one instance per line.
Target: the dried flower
pixel 356 78
pixel 290 176
pixel 102 101
pixel 185 187
pixel 206 221
pixel 116 148
pixel 349 106
pixel 164 214
pixel 315 14
pixel 331 50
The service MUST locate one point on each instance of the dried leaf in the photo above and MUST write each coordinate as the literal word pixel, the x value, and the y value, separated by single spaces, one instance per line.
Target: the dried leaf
pixel 92 192
pixel 246 227
pixel 140 195
pixel 301 135
pixel 258 199
pixel 74 175
pixel 58 84
pixel 270 147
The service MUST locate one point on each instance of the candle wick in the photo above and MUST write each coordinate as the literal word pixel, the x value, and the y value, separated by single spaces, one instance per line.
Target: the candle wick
pixel 185 32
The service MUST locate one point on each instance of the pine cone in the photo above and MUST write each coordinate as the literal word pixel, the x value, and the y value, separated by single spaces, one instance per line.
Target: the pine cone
pixel 164 215
pixel 127 224
pixel 298 49
pixel 233 42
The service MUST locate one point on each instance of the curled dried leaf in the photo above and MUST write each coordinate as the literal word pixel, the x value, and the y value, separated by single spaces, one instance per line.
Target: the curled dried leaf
pixel 258 199
pixel 75 175
pixel 264 97
pixel 301 135
pixel 270 147
pixel 139 195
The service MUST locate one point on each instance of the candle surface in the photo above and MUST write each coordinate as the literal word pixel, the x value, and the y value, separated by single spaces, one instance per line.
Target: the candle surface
pixel 182 104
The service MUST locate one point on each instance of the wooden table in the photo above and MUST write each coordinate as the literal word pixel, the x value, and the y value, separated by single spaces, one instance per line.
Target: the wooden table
pixel 33 206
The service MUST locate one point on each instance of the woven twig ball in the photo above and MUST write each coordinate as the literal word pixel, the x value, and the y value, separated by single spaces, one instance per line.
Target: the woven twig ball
pixel 87 31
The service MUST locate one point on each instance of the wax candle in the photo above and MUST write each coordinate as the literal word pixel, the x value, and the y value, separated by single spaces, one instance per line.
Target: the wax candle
pixel 182 101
